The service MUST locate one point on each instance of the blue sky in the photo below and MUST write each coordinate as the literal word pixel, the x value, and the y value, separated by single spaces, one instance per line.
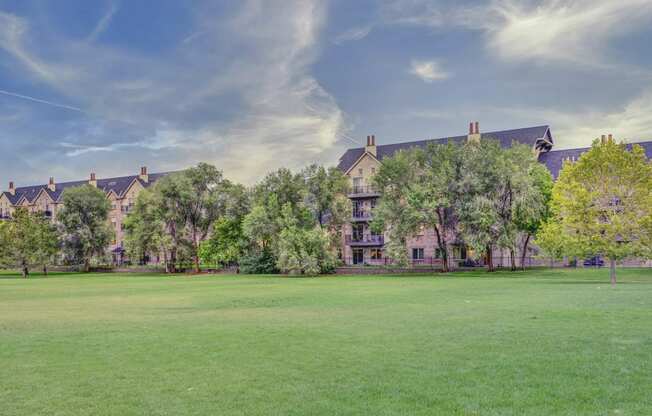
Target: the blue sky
pixel 110 85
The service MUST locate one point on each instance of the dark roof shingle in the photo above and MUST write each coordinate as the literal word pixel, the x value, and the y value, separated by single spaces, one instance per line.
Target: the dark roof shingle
pixel 528 136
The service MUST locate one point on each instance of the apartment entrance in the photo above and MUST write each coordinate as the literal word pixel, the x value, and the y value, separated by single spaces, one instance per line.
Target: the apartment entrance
pixel 358 256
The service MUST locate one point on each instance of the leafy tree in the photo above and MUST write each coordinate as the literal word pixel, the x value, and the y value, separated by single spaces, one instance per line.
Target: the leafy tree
pixel 534 209
pixel 552 241
pixel 204 201
pixel 26 239
pixel 47 241
pixel 603 203
pixel 418 189
pixel 494 183
pixel 146 230
pixel 227 242
pixel 303 251
pixel 84 223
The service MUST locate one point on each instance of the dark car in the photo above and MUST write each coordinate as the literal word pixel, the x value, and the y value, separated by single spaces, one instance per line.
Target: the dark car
pixel 594 262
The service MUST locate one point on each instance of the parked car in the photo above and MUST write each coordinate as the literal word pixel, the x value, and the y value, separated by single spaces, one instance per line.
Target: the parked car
pixel 594 262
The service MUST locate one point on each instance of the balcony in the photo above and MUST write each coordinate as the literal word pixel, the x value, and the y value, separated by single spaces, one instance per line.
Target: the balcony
pixel 361 216
pixel 364 240
pixel 365 191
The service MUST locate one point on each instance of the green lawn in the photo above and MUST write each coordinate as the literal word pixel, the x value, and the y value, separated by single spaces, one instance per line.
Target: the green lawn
pixel 535 343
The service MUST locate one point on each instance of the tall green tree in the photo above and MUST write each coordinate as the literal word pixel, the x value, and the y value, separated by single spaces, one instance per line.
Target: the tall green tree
pixel 303 251
pixel 27 239
pixel 494 183
pixel 146 229
pixel 418 189
pixel 203 200
pixel 84 223
pixel 227 242
pixel 326 198
pixel 603 202
pixel 533 210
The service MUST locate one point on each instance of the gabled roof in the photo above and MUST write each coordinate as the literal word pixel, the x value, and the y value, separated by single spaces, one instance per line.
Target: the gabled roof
pixel 528 136
pixel 554 160
pixel 118 185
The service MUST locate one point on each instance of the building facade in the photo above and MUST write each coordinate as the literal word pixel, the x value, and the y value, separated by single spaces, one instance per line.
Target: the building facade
pixel 363 247
pixel 120 191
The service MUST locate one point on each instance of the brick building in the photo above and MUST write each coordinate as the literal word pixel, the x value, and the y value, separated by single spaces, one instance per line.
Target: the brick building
pixel 362 246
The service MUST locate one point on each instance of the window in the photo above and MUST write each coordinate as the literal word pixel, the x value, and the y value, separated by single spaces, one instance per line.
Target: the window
pixel 373 170
pixel 360 171
pixel 439 253
pixel 417 254
pixel 357 185
pixel 376 254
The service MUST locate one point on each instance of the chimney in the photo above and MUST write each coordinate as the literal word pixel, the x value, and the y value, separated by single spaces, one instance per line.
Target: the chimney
pixel 12 190
pixel 93 180
pixel 51 185
pixel 474 132
pixel 143 174
pixel 603 139
pixel 609 138
pixel 371 145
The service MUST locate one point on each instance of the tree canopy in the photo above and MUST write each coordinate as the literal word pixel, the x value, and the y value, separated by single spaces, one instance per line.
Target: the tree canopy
pixel 603 202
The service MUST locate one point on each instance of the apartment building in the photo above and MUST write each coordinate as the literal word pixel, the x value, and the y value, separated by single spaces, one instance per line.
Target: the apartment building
pixel 363 246
pixel 120 191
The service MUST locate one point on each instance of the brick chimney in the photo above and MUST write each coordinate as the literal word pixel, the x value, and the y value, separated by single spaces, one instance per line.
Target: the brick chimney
pixel 51 185
pixel 371 145
pixel 93 180
pixel 474 132
pixel 12 190
pixel 143 174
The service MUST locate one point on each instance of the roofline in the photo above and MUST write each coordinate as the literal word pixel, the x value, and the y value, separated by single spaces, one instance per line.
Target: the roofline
pixel 359 159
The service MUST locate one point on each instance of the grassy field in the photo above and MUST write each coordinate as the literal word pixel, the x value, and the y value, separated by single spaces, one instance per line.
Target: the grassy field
pixel 536 343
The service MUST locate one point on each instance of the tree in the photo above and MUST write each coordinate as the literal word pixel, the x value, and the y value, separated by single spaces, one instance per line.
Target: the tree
pixel 203 200
pixel 534 209
pixel 26 239
pixel 227 242
pixel 418 189
pixel 552 241
pixel 84 223
pixel 603 203
pixel 146 229
pixel 47 241
pixel 303 251
pixel 494 183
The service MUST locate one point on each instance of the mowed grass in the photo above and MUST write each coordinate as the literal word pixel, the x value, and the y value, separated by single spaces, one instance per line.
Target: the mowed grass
pixel 558 342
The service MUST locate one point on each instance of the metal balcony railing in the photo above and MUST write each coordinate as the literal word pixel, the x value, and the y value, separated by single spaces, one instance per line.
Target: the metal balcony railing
pixel 365 240
pixel 362 215
pixel 363 190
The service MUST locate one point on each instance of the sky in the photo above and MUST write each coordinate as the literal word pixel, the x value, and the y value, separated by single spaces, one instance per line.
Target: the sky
pixel 107 86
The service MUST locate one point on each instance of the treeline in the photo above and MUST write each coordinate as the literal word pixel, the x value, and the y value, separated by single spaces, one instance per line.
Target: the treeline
pixel 289 222
pixel 477 193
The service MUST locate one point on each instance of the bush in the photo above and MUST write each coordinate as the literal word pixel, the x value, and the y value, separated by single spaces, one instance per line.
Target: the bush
pixel 258 262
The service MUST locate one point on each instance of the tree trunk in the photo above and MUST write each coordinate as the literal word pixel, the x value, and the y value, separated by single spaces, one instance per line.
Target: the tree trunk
pixel 87 265
pixel 525 244
pixel 612 272
pixel 490 259
pixel 25 270
pixel 196 251
pixel 165 260
pixel 441 242
pixel 45 269
pixel 512 258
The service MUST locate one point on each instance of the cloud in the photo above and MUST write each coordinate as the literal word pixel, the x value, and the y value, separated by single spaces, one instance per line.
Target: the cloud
pixel 575 31
pixel 555 30
pixel 103 23
pixel 428 71
pixel 356 33
pixel 41 101
pixel 240 96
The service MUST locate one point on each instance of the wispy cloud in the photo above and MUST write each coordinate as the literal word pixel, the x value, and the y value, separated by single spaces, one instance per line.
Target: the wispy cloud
pixel 248 112
pixel 103 23
pixel 40 101
pixel 428 71
pixel 353 34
